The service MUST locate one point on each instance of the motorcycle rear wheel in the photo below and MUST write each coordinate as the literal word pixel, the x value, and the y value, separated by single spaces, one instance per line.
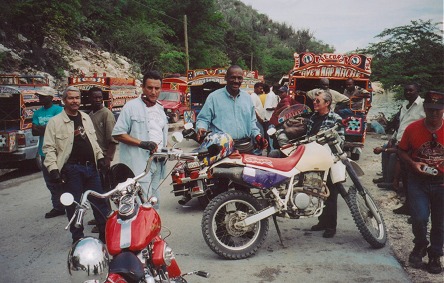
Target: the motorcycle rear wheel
pixel 218 225
pixel 363 210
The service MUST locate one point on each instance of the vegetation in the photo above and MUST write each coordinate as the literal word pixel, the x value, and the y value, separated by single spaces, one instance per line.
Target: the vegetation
pixel 151 34
pixel 410 53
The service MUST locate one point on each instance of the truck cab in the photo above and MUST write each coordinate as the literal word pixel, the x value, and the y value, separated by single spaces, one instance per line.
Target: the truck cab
pixel 18 102
pixel 173 97
pixel 309 68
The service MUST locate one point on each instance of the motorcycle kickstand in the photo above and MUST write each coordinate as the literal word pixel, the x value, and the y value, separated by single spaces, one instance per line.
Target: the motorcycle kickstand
pixel 278 230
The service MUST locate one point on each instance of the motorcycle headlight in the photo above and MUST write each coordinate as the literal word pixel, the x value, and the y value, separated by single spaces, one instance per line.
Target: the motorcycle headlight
pixel 88 261
pixel 168 110
pixel 168 255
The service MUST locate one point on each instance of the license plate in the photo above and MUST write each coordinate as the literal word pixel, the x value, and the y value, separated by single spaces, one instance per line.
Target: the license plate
pixel 192 165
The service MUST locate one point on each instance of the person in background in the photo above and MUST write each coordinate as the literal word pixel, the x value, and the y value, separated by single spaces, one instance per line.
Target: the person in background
pixel 324 84
pixel 103 121
pixel 358 95
pixel 324 118
pixel 422 150
pixel 142 129
pixel 270 103
pixel 230 110
pixel 260 111
pixel 39 121
pixel 411 110
pixel 73 156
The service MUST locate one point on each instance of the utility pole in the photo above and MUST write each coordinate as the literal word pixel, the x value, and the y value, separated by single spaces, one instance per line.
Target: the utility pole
pixel 185 28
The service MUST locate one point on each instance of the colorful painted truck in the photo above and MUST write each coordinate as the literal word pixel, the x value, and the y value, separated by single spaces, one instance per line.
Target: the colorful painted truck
pixel 202 82
pixel 174 97
pixel 116 91
pixel 309 68
pixel 18 147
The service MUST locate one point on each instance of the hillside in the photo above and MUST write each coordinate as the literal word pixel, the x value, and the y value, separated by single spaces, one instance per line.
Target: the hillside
pixel 70 36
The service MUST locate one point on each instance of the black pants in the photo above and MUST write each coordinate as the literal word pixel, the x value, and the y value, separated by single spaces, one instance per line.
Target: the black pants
pixel 329 215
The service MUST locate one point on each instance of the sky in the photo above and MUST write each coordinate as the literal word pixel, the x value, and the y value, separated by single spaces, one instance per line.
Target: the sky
pixel 348 24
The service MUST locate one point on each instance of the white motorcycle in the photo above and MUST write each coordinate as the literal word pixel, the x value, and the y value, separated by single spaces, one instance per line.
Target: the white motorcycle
pixel 235 223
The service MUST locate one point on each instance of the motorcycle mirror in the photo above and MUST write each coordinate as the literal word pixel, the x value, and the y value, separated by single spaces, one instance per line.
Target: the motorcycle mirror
pixel 188 126
pixel 177 137
pixel 67 199
pixel 271 131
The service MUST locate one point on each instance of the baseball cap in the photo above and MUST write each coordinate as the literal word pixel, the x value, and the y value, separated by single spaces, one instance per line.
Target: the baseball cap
pixel 44 93
pixel 283 88
pixel 434 100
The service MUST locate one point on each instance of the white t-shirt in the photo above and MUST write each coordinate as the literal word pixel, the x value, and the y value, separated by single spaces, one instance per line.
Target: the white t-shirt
pixel 270 102
pixel 258 105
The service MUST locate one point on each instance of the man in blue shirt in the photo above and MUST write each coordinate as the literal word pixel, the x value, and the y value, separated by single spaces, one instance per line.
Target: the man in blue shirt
pixel 230 110
pixel 39 121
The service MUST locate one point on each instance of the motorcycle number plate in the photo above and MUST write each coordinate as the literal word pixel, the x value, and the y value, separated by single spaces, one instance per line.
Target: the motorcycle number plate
pixel 192 165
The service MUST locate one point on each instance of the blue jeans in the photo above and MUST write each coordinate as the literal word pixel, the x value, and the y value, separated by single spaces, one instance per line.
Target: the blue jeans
pixel 79 179
pixel 54 189
pixel 426 197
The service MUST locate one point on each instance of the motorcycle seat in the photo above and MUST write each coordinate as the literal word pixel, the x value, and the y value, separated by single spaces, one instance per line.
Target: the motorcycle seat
pixel 281 164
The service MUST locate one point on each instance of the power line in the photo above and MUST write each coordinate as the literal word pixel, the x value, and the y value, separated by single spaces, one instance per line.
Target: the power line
pixel 160 12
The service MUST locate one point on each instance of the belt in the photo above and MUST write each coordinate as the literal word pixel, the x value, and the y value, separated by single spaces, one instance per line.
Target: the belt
pixel 240 141
pixel 84 163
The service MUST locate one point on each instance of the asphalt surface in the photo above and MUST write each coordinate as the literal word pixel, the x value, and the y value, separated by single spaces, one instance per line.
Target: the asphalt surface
pixel 34 249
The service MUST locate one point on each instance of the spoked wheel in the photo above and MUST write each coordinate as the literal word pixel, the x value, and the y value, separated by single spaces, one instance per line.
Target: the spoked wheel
pixel 220 231
pixel 367 217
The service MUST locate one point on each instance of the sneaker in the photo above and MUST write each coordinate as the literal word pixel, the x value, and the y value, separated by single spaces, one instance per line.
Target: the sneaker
pixel 92 222
pixel 378 180
pixel 404 209
pixel 318 227
pixel 329 233
pixel 54 213
pixel 434 266
pixel 415 257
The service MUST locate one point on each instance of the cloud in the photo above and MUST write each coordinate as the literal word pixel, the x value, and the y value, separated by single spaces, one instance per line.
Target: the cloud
pixel 348 24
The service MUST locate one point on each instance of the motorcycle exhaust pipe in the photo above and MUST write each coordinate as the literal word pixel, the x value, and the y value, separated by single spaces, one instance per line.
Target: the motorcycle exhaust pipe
pixel 233 174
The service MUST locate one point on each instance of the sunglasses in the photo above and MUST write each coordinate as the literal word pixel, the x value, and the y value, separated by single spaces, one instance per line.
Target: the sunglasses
pixel 434 140
pixel 317 100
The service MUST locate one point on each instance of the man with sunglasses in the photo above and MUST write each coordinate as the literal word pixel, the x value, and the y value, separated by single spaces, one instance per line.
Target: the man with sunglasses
pixel 324 118
pixel 422 149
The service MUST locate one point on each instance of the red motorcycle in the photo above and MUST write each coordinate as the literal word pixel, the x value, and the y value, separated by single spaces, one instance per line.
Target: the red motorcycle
pixel 139 253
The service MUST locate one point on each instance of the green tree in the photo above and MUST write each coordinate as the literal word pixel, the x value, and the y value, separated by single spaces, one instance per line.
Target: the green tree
pixel 410 53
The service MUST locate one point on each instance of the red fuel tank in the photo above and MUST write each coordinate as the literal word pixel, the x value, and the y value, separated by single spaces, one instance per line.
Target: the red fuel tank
pixel 133 234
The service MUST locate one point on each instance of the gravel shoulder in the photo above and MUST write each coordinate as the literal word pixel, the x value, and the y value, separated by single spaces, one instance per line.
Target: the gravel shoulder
pixel 399 231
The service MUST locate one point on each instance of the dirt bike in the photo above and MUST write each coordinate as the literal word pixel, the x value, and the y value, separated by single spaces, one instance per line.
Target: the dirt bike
pixel 135 250
pixel 235 223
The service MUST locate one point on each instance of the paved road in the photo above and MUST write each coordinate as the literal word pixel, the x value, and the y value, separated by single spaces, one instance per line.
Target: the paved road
pixel 34 249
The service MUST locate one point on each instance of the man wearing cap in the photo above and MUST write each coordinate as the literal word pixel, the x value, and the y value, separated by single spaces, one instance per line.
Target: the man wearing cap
pixel 230 110
pixel 39 121
pixel 422 149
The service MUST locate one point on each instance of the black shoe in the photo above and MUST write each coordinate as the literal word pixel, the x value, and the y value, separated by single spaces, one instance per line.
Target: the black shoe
pixel 404 209
pixel 329 233
pixel 385 185
pixel 434 266
pixel 54 213
pixel 318 227
pixel 415 257
pixel 92 222
pixel 95 229
pixel 378 180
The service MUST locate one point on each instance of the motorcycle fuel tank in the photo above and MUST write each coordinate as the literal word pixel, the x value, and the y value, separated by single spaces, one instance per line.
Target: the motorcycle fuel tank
pixel 133 234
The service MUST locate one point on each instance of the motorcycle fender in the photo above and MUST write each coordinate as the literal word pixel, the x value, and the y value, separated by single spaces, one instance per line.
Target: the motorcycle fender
pixel 356 168
pixel 159 260
pixel 337 172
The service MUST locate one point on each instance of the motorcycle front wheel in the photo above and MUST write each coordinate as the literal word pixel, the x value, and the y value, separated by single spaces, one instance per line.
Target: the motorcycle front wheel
pixel 367 217
pixel 220 232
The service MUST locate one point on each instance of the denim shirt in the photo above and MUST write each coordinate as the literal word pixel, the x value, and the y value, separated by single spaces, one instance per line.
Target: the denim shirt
pixel 224 113
pixel 143 123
